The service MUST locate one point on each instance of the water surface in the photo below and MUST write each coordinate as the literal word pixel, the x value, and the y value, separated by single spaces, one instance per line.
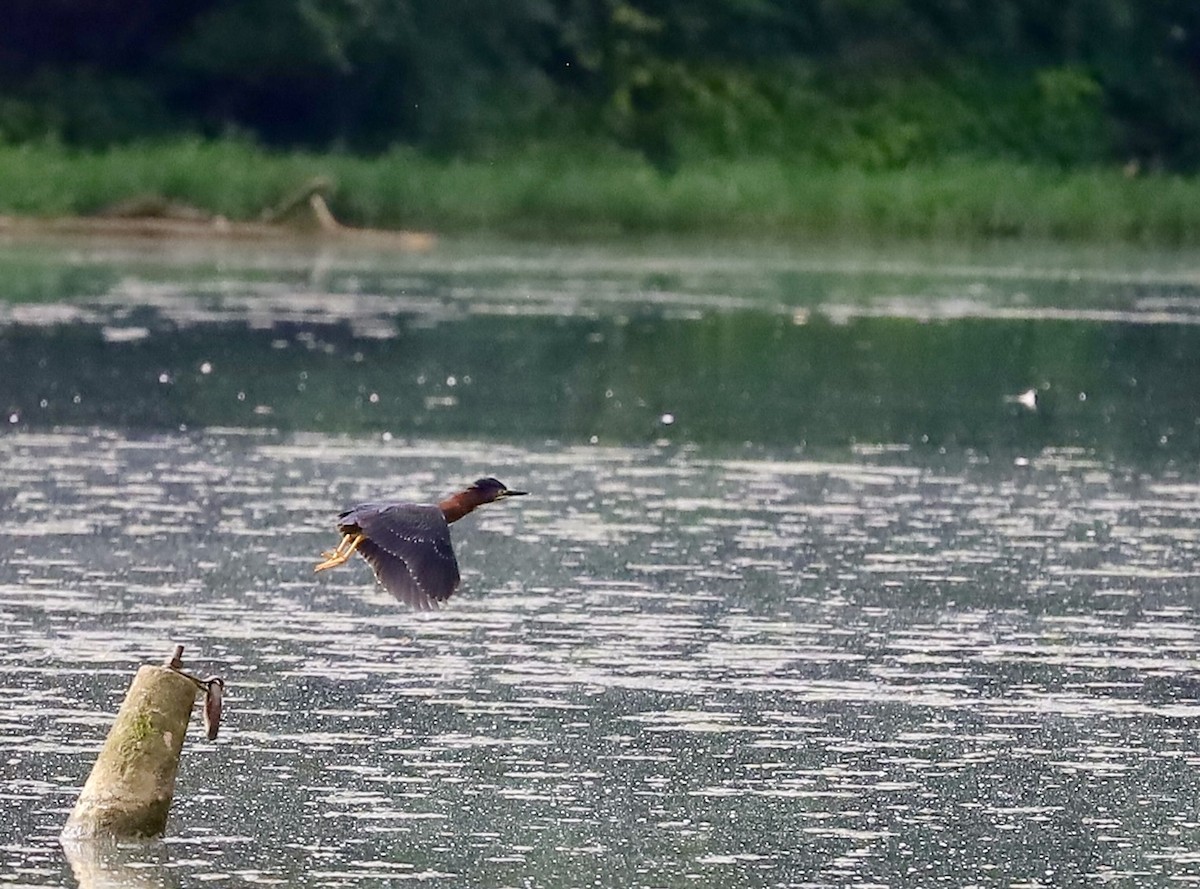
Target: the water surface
pixel 806 593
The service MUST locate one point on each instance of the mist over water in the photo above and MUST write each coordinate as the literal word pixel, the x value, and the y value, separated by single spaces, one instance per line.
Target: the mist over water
pixel 805 592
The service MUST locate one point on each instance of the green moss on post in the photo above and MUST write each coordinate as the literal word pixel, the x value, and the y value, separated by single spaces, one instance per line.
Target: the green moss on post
pixel 129 792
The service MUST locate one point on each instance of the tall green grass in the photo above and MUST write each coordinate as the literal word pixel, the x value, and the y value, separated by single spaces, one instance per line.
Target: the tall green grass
pixel 574 194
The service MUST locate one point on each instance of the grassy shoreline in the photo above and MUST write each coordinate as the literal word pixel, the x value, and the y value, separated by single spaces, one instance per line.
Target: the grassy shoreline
pixel 551 193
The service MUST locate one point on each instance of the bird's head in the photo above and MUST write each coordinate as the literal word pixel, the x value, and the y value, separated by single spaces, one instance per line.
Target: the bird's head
pixel 489 490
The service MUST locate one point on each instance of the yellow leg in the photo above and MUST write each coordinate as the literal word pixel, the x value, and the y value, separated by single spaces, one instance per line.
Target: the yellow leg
pixel 342 554
pixel 336 553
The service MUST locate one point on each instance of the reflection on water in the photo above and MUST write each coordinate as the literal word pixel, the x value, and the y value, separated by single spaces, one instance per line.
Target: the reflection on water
pixel 567 348
pixel 121 866
pixel 663 666
pixel 811 599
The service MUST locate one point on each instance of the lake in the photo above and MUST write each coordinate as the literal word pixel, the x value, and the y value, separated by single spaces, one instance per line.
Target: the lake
pixel 840 565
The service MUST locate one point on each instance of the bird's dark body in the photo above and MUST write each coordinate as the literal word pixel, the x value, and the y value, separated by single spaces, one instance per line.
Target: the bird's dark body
pixel 408 546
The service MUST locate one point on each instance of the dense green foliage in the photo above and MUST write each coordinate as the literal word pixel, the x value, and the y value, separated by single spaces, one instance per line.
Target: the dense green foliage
pixel 543 193
pixel 863 83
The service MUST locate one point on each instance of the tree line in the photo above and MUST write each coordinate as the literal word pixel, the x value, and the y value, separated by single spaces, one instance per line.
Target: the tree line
pixel 872 83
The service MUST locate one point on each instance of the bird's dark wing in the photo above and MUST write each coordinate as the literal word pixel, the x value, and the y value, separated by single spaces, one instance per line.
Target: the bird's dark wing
pixel 408 546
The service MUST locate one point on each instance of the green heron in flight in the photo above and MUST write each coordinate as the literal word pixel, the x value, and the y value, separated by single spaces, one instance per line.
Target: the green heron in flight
pixel 408 544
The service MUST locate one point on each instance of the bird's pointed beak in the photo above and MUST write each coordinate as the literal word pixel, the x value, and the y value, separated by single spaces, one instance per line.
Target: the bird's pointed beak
pixel 507 493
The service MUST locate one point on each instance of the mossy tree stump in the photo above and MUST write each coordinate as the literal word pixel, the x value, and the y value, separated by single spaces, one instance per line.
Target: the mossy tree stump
pixel 129 791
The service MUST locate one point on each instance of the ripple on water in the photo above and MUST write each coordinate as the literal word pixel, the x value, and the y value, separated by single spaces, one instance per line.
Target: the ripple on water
pixel 811 673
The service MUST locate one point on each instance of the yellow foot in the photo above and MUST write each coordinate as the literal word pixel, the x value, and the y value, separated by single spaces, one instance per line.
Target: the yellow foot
pixel 342 554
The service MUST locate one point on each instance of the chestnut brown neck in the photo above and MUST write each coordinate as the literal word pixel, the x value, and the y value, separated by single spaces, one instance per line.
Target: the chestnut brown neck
pixel 458 505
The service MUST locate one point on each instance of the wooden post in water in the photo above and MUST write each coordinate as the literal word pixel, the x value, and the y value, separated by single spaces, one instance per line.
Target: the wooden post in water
pixel 129 791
